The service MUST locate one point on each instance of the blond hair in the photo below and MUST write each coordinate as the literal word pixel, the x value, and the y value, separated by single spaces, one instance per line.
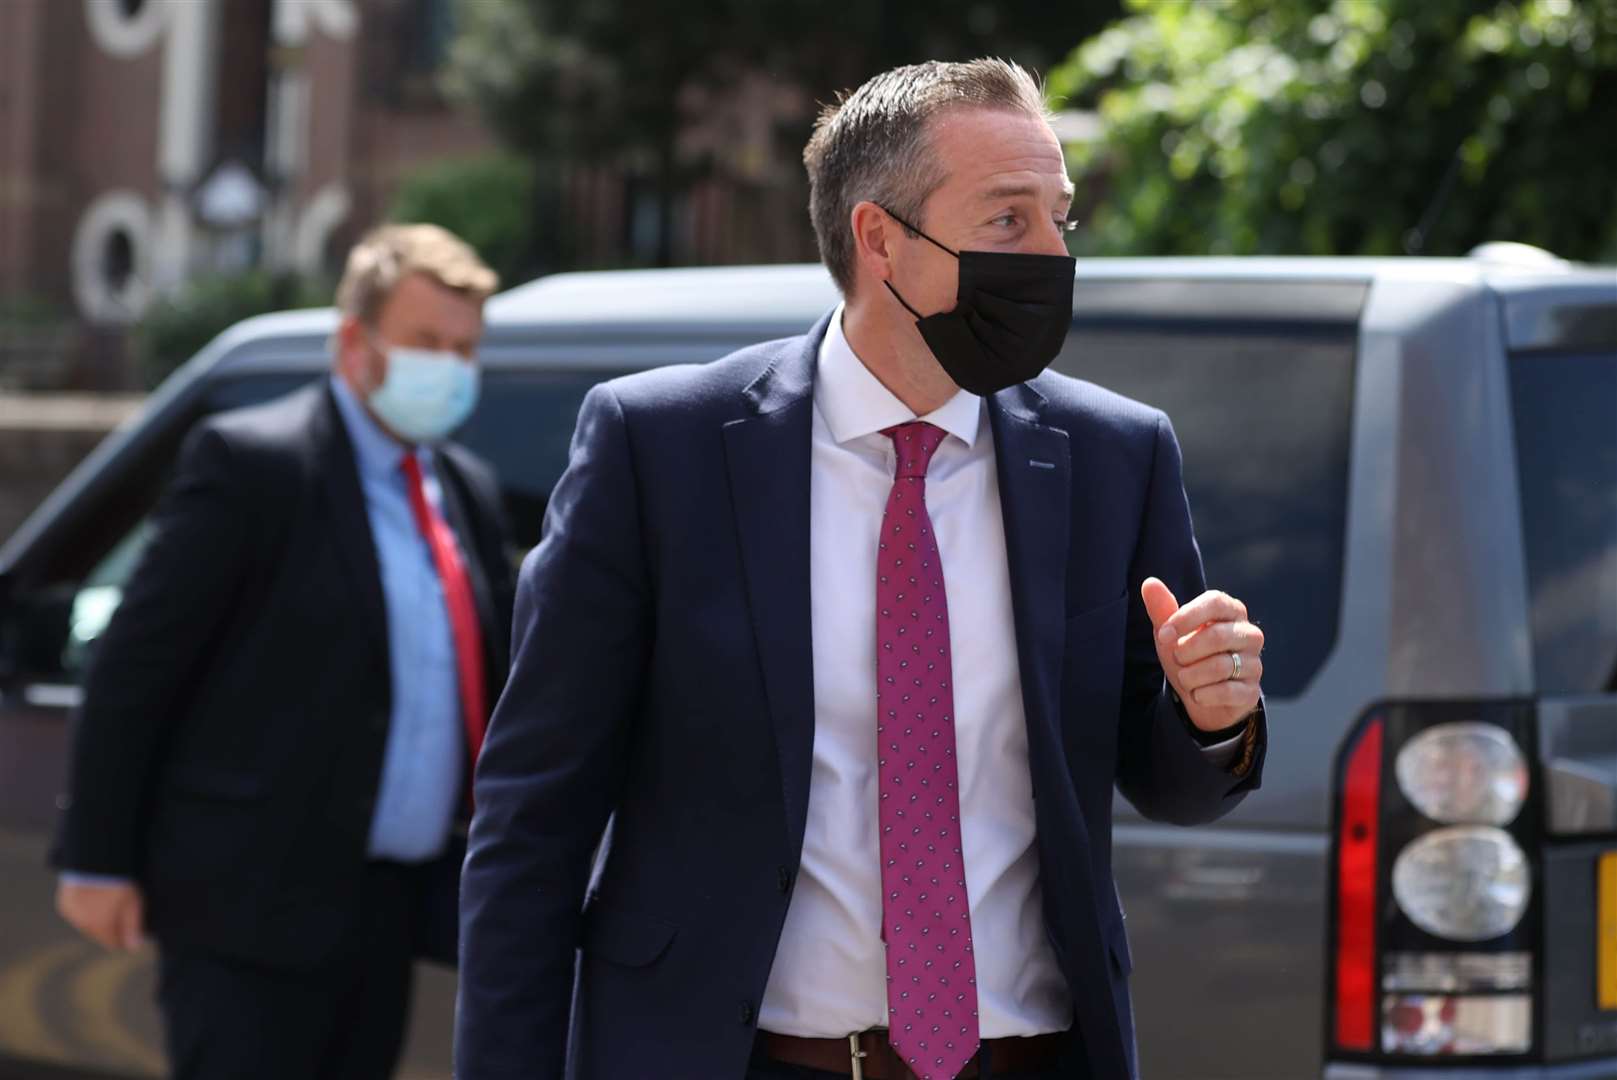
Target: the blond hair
pixel 389 254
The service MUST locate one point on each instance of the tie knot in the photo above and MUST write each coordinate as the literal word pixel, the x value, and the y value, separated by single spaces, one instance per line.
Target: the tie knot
pixel 915 442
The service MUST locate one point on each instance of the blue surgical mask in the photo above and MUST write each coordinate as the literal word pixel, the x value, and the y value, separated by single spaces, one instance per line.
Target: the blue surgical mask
pixel 426 394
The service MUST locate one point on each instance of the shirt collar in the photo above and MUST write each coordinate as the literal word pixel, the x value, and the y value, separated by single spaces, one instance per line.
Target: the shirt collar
pixel 854 402
pixel 377 452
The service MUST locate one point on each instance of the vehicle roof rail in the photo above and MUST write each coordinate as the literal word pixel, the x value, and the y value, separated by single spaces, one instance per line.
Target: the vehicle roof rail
pixel 1511 253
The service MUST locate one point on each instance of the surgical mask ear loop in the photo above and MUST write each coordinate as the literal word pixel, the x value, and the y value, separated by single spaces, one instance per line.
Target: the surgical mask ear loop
pixel 901 300
pixel 918 232
pixel 923 236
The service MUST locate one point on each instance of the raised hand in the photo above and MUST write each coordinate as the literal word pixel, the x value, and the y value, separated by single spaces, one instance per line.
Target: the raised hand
pixel 1211 654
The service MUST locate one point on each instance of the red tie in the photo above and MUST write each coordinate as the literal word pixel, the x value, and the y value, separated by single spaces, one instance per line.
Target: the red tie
pixel 926 913
pixel 463 625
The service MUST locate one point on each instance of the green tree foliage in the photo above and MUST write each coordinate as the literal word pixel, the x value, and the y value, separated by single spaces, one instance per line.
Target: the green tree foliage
pixel 489 202
pixel 1350 127
pixel 176 327
pixel 618 81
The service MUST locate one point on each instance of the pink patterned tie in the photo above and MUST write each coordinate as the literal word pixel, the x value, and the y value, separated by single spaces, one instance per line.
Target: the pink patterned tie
pixel 926 920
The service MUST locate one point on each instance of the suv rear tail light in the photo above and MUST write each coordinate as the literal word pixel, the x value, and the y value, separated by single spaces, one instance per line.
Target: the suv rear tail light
pixel 1463 883
pixel 1464 774
pixel 1430 1024
pixel 1457 972
pixel 1435 926
pixel 1356 872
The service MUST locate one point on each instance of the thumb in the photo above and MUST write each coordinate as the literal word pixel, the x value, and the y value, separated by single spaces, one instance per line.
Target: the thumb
pixel 1159 601
pixel 131 917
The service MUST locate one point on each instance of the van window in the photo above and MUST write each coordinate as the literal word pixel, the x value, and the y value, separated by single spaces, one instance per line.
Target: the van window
pixel 523 426
pixel 1565 412
pixel 99 596
pixel 1262 409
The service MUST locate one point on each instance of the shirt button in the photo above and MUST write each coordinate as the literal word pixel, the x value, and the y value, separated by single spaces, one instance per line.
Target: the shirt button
pixel 746 1012
pixel 783 878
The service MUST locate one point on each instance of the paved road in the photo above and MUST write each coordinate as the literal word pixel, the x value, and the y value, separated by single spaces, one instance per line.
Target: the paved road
pixel 66 1002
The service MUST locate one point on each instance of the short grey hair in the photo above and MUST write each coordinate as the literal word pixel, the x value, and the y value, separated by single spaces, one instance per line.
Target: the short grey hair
pixel 875 144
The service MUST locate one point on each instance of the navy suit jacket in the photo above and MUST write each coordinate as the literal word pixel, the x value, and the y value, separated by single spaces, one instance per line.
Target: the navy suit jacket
pixel 662 677
pixel 236 710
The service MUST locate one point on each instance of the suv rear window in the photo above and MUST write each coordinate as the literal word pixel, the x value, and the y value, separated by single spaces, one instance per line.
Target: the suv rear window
pixel 523 427
pixel 1565 408
pixel 1262 406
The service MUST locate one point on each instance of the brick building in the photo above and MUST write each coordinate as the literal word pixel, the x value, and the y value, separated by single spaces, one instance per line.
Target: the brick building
pixel 146 142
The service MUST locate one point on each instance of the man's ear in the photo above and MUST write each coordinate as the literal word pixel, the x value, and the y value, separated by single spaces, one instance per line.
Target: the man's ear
pixel 352 348
pixel 872 239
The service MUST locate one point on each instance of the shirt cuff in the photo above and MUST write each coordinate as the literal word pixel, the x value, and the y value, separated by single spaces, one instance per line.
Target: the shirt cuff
pixel 74 877
pixel 1223 754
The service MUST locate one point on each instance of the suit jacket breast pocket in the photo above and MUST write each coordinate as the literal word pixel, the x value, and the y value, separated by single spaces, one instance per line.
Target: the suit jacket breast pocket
pixel 1092 678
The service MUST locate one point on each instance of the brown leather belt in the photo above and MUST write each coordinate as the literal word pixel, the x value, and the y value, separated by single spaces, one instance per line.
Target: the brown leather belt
pixel 881 1061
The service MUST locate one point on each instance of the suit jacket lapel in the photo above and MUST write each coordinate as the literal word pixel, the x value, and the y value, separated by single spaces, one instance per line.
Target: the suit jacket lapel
pixel 1036 490
pixel 338 473
pixel 768 458
pixel 1035 493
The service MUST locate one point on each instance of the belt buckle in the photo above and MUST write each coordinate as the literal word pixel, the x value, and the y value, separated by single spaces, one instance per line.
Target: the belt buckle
pixel 855 1056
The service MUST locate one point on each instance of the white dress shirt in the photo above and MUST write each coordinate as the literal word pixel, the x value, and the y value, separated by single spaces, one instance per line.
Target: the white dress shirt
pixel 829 976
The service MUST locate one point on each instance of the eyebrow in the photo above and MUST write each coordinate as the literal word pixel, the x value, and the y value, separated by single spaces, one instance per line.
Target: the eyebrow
pixel 429 331
pixel 1025 191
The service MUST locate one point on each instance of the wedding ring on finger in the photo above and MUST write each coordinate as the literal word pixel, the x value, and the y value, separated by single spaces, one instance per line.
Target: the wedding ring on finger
pixel 1235 667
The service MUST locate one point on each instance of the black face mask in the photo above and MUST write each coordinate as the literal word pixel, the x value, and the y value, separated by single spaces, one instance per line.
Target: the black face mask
pixel 1011 316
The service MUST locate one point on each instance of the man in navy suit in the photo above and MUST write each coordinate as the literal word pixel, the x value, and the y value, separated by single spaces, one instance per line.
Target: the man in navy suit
pixel 850 636
pixel 270 768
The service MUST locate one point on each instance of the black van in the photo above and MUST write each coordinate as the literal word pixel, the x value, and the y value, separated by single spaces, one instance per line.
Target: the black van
pixel 1407 468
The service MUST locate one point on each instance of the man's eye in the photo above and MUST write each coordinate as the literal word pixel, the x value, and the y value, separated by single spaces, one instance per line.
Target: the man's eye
pixel 1006 220
pixel 1066 226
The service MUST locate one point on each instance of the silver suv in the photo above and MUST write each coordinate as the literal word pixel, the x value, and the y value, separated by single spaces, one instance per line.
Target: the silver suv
pixel 1407 468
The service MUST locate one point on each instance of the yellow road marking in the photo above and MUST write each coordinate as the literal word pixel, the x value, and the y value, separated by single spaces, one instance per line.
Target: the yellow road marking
pixel 22 1024
pixel 97 992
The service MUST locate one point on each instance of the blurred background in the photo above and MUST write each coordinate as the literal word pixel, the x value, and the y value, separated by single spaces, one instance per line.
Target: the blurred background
pixel 170 166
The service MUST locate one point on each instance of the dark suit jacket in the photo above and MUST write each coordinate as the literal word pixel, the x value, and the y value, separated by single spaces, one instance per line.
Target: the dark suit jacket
pixel 230 744
pixel 662 673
